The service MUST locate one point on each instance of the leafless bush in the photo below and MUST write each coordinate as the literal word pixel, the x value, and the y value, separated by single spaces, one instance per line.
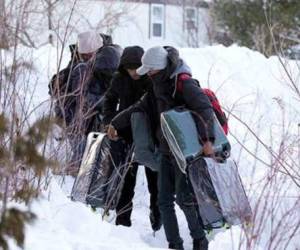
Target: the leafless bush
pixel 275 202
pixel 24 131
pixel 273 177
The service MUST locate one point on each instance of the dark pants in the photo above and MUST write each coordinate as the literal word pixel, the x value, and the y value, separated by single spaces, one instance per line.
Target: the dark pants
pixel 173 182
pixel 124 207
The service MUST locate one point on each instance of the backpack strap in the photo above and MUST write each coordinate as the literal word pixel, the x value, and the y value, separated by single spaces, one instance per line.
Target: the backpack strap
pixel 179 82
pixel 211 96
pixel 217 109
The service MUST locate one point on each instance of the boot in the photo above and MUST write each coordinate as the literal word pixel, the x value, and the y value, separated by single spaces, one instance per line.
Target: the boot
pixel 126 222
pixel 200 244
pixel 155 219
pixel 173 246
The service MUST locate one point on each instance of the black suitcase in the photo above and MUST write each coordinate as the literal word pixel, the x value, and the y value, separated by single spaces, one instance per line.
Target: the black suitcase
pixel 102 172
pixel 219 192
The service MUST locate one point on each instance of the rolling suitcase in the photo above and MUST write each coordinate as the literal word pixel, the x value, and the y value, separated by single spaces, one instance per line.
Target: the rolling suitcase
pixel 220 194
pixel 145 151
pixel 83 180
pixel 102 171
pixel 180 130
pixel 217 186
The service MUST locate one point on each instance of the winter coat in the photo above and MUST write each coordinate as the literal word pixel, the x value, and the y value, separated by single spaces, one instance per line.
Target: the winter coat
pixel 103 68
pixel 163 96
pixel 59 88
pixel 125 91
pixel 89 82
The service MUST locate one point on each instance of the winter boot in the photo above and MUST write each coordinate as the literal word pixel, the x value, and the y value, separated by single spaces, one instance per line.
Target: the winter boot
pixel 155 219
pixel 200 244
pixel 177 247
pixel 123 221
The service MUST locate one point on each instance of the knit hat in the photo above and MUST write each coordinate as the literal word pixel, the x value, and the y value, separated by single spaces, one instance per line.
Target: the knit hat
pixel 131 57
pixel 155 58
pixel 89 42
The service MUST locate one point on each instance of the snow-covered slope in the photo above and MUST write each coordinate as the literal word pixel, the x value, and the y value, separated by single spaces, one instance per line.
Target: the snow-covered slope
pixel 255 89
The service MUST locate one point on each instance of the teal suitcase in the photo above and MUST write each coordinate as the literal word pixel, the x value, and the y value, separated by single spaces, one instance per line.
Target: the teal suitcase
pixel 180 131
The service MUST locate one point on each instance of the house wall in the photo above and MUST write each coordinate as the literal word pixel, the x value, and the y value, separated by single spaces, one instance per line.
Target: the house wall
pixel 134 24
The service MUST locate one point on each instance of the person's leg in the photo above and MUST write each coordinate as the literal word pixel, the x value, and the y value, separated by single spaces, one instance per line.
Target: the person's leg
pixel 124 207
pixel 185 198
pixel 166 198
pixel 152 187
pixel 153 190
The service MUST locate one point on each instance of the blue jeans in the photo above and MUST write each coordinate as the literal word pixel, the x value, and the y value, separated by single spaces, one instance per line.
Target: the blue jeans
pixel 172 182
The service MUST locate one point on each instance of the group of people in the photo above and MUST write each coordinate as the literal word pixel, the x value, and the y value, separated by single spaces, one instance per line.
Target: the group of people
pixel 105 86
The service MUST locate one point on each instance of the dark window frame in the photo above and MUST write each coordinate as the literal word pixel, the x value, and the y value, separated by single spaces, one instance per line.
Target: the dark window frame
pixel 151 22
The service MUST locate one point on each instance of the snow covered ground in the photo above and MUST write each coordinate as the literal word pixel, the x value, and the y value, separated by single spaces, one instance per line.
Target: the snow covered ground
pixel 253 88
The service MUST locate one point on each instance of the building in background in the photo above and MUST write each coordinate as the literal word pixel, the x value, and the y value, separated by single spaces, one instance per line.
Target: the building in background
pixel 178 23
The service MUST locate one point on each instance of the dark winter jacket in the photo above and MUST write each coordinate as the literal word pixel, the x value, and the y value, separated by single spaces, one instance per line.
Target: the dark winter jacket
pixel 103 67
pixel 89 81
pixel 125 91
pixel 59 87
pixel 164 96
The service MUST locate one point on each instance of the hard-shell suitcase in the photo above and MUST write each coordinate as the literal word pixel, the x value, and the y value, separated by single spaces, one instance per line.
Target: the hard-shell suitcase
pixel 102 172
pixel 107 182
pixel 219 192
pixel 217 186
pixel 145 152
pixel 180 130
pixel 83 180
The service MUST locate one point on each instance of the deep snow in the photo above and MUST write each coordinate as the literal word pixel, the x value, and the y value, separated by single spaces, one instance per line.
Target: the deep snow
pixel 246 83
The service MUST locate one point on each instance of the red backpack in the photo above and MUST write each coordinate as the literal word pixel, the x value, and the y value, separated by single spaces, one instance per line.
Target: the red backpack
pixel 212 98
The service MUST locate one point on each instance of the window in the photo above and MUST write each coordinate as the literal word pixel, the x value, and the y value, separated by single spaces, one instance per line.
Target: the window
pixel 191 18
pixel 157 20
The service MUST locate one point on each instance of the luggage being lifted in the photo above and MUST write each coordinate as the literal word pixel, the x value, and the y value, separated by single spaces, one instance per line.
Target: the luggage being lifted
pixel 179 128
pixel 217 185
pixel 102 172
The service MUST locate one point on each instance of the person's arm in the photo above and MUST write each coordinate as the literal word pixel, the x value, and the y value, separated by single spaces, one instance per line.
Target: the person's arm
pixel 95 94
pixel 78 78
pixel 197 101
pixel 123 119
pixel 110 101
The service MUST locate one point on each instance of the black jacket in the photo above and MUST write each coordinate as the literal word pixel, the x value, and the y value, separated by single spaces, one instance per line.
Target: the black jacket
pixel 164 96
pixel 124 91
pixel 102 70
pixel 89 82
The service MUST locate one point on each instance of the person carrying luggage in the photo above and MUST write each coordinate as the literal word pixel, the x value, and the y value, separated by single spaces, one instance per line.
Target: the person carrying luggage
pixel 163 65
pixel 89 81
pixel 127 88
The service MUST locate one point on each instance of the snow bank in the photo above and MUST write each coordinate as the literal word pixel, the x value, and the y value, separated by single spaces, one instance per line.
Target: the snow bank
pixel 248 85
pixel 66 225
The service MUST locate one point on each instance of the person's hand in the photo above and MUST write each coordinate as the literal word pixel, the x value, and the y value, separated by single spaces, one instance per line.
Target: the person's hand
pixel 208 149
pixel 104 129
pixel 112 132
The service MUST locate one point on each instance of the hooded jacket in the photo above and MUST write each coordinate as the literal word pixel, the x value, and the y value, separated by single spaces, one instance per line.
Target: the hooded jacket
pixel 89 81
pixel 125 91
pixel 163 96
